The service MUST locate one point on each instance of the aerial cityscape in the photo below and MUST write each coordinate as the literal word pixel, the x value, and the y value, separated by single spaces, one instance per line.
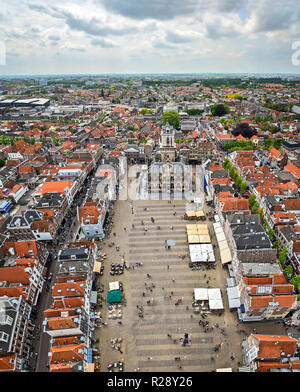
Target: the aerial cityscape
pixel 150 187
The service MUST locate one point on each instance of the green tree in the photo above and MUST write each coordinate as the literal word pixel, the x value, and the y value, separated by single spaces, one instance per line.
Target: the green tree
pixel 226 164
pixel 296 282
pixel 283 255
pixel 252 200
pixel 2 162
pixel 276 244
pixel 261 215
pixel 219 109
pixel 172 117
pixel 231 171
pixel 271 234
pixel 255 207
pixel 145 111
pixel 244 187
pixel 288 271
pixel 238 181
pixel 194 112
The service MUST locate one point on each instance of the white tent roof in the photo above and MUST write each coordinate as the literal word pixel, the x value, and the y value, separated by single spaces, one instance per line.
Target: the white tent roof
pixel 196 257
pixel 195 248
pixel 214 294
pixel 223 245
pixel 215 304
pixel 201 294
pixel 234 303
pixel 233 292
pixel 225 256
pixel 114 286
pixel 220 237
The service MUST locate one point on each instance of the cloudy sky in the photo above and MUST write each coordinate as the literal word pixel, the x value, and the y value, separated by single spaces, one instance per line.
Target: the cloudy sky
pixel 148 36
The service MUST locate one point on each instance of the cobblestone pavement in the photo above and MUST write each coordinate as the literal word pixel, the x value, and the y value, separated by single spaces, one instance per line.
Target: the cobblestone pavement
pixel 146 344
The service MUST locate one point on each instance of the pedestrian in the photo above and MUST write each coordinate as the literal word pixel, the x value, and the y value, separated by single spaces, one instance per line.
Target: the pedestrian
pixel 121 352
pixel 173 280
pixel 145 283
pixel 124 228
pixel 151 289
pixel 143 294
pixel 149 358
pixel 191 316
pixel 162 288
pixel 187 308
pixel 142 315
pixel 133 267
pixel 168 266
pixel 171 227
pixel 171 292
pixel 133 226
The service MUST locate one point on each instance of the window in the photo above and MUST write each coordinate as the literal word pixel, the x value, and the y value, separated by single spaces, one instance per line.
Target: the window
pixel 6 320
pixel 4 337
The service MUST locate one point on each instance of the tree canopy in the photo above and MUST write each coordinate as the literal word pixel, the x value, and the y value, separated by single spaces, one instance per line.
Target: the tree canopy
pixel 219 109
pixel 172 117
pixel 244 129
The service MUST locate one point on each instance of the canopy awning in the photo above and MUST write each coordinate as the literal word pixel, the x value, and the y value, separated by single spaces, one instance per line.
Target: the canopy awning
pixel 234 303
pixel 201 294
pixel 190 214
pixel 114 296
pixel 203 231
pixel 191 227
pixel 225 256
pixel 220 237
pixel 97 266
pixel 193 239
pixel 201 226
pixel 223 245
pixel 192 232
pixel 204 239
pixel 114 286
pixel 216 304
pixel 93 297
pixel 199 214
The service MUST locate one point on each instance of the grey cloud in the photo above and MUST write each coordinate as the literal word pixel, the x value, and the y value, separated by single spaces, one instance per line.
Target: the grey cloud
pixel 103 43
pixel 215 31
pixel 272 15
pixel 177 38
pixel 161 45
pixel 166 9
pixel 92 26
pixel 154 9
pixel 77 49
pixel 54 37
pixel 38 8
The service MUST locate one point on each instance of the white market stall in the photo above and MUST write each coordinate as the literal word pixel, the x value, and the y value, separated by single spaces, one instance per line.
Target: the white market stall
pixel 215 299
pixel 233 297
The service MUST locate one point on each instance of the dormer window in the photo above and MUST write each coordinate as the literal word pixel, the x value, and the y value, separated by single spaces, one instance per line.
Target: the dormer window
pixel 6 320
pixel 4 337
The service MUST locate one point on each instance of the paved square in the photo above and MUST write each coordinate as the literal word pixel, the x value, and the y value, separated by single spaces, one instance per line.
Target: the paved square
pixel 146 344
